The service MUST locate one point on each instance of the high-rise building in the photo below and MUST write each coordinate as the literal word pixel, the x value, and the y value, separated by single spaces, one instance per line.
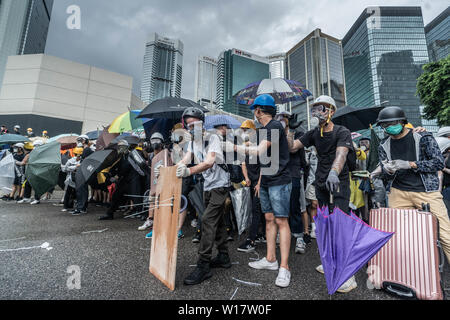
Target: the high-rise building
pixel 163 68
pixel 438 36
pixel 23 28
pixel 317 63
pixel 205 82
pixel 277 63
pixel 384 52
pixel 237 69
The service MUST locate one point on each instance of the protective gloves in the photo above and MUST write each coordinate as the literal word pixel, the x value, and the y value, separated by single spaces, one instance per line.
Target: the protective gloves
pixel 183 171
pixel 392 167
pixel 157 170
pixel 333 181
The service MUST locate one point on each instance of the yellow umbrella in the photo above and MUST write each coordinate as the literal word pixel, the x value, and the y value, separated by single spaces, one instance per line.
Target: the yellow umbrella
pixel 126 122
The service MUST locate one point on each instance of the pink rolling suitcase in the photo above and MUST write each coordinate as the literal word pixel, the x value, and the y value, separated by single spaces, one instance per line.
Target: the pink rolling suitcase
pixel 409 265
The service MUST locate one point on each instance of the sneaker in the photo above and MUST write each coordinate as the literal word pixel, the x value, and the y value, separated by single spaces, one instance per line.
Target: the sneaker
pixel 197 237
pixel 180 234
pixel 300 246
pixel 307 238
pixel 75 212
pixel 194 223
pixel 147 224
pixel 263 264
pixel 313 234
pixel 320 269
pixel 24 200
pixel 149 235
pixel 260 239
pixel 284 278
pixel 222 260
pixel 35 202
pixel 64 210
pixel 348 286
pixel 247 246
pixel 200 274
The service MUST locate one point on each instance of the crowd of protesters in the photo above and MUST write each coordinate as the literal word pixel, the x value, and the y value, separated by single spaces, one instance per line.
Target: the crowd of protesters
pixel 288 173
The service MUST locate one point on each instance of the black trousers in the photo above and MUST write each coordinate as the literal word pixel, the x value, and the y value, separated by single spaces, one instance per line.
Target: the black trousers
pixel 257 215
pixel 82 197
pixel 69 196
pixel 341 199
pixel 213 224
pixel 27 192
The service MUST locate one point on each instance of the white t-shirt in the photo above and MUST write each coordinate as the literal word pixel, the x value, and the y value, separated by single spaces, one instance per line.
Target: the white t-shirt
pixel 215 177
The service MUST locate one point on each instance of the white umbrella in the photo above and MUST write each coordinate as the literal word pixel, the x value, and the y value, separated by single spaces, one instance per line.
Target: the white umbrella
pixel 7 173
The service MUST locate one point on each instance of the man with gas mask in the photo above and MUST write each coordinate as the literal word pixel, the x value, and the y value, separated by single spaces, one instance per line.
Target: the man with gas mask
pixel 333 144
pixel 207 161
pixel 82 191
pixel 411 161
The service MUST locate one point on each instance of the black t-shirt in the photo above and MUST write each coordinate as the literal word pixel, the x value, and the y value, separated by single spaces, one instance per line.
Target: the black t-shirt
pixel 446 181
pixel 253 169
pixel 86 153
pixel 279 161
pixel 405 149
pixel 326 151
pixel 296 163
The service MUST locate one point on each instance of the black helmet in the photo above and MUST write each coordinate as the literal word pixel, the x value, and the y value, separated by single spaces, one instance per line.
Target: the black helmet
pixel 390 114
pixel 193 112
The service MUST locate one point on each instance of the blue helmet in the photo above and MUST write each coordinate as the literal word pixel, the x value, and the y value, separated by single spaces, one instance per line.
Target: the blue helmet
pixel 264 100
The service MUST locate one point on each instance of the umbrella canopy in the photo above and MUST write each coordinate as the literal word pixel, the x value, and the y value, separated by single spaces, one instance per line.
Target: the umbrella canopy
pixel 68 141
pixel 12 139
pixel 95 163
pixel 105 139
pixel 131 139
pixel 43 167
pixel 126 122
pixel 163 126
pixel 355 119
pixel 345 244
pixel 169 108
pixel 220 119
pixel 282 90
pixel 7 172
pixel 94 135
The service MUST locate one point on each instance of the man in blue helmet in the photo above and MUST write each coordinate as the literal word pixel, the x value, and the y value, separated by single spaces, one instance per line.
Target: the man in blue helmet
pixel 275 185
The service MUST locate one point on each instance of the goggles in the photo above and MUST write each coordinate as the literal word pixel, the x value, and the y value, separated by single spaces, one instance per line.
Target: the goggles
pixel 192 125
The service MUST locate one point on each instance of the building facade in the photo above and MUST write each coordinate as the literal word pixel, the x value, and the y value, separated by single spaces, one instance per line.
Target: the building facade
pixel 438 36
pixel 384 52
pixel 163 68
pixel 277 65
pixel 23 28
pixel 237 69
pixel 61 96
pixel 205 82
pixel 317 63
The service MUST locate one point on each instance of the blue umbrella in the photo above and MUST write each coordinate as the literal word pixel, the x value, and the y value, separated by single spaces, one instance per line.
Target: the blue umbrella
pixel 346 244
pixel 217 120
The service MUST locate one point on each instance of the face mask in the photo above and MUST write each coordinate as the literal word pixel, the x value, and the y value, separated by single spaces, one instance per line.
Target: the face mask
pixel 394 130
pixel 15 150
pixel 157 146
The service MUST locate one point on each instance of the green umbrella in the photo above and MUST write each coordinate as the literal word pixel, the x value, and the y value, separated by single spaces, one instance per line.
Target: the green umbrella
pixel 126 122
pixel 12 139
pixel 43 167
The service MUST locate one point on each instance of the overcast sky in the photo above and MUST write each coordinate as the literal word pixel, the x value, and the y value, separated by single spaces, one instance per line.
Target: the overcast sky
pixel 113 32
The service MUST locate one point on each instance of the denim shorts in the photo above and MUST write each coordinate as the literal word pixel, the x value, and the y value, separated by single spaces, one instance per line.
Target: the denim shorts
pixel 276 200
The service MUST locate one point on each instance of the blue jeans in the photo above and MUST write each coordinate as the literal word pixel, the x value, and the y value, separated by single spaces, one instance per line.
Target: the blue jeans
pixel 276 200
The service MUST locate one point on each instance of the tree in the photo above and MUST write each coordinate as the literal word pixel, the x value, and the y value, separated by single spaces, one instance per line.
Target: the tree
pixel 433 89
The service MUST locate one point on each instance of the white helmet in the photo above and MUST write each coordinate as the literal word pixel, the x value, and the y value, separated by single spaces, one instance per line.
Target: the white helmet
pixel 444 143
pixel 157 135
pixel 38 143
pixel 16 126
pixel 19 145
pixel 325 99
pixel 443 132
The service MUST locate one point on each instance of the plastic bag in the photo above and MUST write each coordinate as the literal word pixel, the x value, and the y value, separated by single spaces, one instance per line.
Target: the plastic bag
pixel 242 204
pixel 7 172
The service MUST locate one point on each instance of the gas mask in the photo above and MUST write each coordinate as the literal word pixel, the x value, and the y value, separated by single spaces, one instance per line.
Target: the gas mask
pixel 320 112
pixel 156 144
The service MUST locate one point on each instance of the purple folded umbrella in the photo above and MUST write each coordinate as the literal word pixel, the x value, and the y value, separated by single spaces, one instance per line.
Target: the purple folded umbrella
pixel 346 244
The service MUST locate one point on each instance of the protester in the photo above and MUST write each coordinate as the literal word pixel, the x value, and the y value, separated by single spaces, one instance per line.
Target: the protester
pixel 70 167
pixel 251 172
pixel 19 169
pixel 27 189
pixel 411 162
pixel 45 134
pixel 334 145
pixel 30 133
pixel 17 129
pixel 82 191
pixel 216 186
pixel 310 193
pixel 3 130
pixel 276 186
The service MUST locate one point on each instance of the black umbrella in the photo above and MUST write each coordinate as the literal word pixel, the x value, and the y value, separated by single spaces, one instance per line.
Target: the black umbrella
pixel 356 119
pixel 95 163
pixel 168 108
pixel 127 137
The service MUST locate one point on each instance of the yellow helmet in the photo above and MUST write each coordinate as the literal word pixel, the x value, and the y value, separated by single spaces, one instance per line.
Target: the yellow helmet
pixel 409 126
pixel 28 146
pixel 77 151
pixel 248 124
pixel 29 129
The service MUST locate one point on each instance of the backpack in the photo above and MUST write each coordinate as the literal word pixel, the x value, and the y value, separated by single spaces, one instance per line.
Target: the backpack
pixel 235 171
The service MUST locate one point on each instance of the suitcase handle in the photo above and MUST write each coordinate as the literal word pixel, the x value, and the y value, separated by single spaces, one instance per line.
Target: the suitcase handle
pixel 401 291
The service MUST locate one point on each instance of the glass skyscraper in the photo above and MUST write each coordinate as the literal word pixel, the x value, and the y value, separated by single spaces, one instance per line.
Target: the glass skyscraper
pixel 205 82
pixel 163 68
pixel 384 52
pixel 277 63
pixel 23 28
pixel 438 36
pixel 317 63
pixel 236 70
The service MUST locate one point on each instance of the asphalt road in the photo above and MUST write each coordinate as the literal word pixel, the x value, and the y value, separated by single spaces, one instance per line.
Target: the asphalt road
pixel 114 263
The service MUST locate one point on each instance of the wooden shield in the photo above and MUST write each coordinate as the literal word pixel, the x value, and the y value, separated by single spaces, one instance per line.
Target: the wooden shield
pixel 163 255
